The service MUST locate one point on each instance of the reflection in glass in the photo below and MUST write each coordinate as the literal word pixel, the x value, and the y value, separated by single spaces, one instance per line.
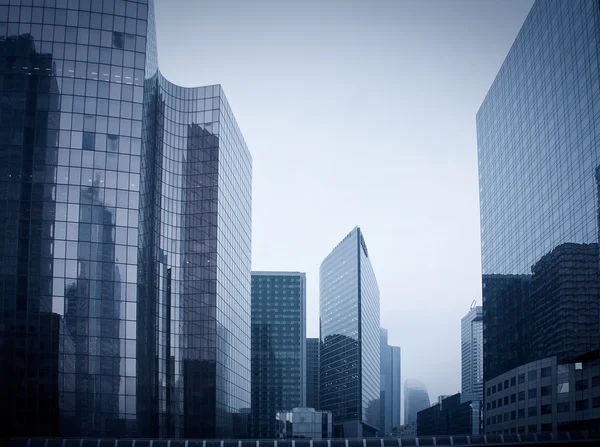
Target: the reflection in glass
pixel 538 176
pixel 124 233
pixel 350 339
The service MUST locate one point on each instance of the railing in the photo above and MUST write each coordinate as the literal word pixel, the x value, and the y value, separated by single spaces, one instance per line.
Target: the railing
pixel 557 439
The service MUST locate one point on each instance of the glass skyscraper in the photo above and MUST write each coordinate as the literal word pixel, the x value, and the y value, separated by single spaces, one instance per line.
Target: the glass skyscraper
pixel 539 176
pixel 471 328
pixel 125 217
pixel 349 326
pixel 278 348
pixel 312 373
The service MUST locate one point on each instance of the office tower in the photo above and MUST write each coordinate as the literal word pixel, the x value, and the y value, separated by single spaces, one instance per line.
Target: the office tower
pixel 396 391
pixel 415 400
pixel 278 348
pixel 312 373
pixel 349 326
pixel 452 415
pixel 471 328
pixel 390 382
pixel 124 233
pixel 539 179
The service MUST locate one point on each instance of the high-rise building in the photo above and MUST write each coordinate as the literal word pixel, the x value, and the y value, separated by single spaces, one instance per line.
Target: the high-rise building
pixel 349 326
pixel 416 399
pixel 472 354
pixel 390 383
pixel 396 391
pixel 539 181
pixel 125 226
pixel 312 373
pixel 278 348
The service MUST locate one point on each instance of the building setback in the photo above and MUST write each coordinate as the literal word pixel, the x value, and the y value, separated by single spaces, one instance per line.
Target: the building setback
pixel 125 234
pixel 472 354
pixel 278 348
pixel 539 183
pixel 349 327
pixel 312 373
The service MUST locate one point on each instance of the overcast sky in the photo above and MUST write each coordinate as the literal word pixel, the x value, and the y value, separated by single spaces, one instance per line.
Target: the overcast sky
pixel 360 113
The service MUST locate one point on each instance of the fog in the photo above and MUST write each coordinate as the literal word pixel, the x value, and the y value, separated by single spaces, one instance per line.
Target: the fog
pixel 360 113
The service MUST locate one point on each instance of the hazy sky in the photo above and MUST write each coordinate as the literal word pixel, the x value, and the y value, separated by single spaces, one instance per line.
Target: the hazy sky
pixel 360 113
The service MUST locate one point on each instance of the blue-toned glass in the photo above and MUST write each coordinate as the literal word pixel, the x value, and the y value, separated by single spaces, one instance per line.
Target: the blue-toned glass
pixel 278 348
pixel 124 232
pixel 539 163
pixel 349 326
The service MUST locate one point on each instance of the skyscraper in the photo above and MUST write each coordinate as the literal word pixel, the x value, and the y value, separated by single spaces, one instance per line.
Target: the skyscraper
pixel 312 373
pixel 396 391
pixel 125 233
pixel 390 383
pixel 278 348
pixel 349 326
pixel 472 354
pixel 416 399
pixel 539 182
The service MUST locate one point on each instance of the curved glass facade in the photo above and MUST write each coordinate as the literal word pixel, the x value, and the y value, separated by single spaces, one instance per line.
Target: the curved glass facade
pixel 124 232
pixel 349 326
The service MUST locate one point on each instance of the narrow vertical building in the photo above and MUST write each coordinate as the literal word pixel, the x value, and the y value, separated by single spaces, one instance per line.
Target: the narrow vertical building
pixel 350 338
pixel 396 390
pixel 390 383
pixel 472 355
pixel 312 373
pixel 278 348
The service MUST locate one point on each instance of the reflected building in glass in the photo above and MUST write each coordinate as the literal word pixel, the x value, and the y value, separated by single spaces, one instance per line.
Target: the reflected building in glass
pixel 278 348
pixel 350 343
pixel 124 233
pixel 539 184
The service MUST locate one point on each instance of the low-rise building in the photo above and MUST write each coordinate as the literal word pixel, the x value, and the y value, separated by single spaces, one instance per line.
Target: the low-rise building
pixel 545 396
pixel 305 423
pixel 450 416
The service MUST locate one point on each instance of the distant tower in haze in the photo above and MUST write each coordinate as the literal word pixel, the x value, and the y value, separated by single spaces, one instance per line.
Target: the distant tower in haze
pixel 415 400
pixel 472 354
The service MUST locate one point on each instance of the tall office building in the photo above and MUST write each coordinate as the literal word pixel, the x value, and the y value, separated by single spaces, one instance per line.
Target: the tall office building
pixel 472 354
pixel 539 181
pixel 312 373
pixel 416 399
pixel 349 325
pixel 278 348
pixel 125 220
pixel 390 383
